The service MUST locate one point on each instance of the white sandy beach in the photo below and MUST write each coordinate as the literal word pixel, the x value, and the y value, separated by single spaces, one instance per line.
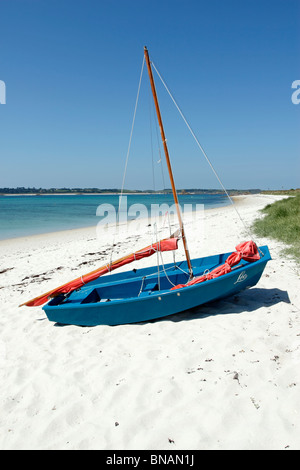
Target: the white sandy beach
pixel 224 376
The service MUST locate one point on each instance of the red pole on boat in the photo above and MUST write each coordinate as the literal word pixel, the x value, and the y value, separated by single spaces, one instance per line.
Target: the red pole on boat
pixel 164 140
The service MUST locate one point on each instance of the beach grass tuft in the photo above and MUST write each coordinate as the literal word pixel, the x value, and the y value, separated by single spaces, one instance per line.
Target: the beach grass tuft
pixel 282 221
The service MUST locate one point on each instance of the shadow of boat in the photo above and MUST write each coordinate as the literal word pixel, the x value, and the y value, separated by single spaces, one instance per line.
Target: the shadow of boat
pixel 248 300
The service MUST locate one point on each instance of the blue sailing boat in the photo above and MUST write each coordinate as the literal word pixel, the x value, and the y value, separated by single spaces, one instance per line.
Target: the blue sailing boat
pixel 150 293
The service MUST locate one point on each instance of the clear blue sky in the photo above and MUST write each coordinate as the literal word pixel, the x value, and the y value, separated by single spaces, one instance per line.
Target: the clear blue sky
pixel 71 69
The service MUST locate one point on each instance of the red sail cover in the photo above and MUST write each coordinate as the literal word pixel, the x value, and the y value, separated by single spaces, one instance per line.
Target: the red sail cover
pixel 167 244
pixel 247 251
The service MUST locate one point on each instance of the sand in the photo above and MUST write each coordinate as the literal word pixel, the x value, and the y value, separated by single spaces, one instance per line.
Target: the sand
pixel 223 376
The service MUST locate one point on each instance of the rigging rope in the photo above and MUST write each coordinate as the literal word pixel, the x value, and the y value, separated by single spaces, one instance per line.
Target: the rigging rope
pixel 127 156
pixel 203 151
pixel 160 160
pixel 131 132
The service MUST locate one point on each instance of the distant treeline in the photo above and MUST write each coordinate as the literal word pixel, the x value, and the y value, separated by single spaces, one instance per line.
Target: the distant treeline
pixel 41 191
pixel 23 190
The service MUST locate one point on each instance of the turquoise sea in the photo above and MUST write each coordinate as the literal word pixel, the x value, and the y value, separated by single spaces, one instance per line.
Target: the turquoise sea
pixel 30 215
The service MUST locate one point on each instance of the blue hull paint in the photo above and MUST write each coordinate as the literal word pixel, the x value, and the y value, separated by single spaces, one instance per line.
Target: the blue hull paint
pixel 137 296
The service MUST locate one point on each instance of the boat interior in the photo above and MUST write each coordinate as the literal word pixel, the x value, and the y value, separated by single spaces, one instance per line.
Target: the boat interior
pixel 140 282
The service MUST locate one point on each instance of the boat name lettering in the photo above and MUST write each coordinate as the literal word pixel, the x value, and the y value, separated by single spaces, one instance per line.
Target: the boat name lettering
pixel 242 277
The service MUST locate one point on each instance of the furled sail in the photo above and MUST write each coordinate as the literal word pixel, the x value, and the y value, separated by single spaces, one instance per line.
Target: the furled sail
pixel 247 251
pixel 168 244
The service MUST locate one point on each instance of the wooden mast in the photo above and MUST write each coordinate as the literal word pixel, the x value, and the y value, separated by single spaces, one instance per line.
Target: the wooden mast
pixel 164 140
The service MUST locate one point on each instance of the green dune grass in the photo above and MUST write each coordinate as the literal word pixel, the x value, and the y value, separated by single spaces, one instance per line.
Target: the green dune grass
pixel 281 221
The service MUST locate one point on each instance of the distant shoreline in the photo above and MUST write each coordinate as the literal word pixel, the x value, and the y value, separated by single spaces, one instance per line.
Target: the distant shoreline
pixel 58 192
pixel 115 192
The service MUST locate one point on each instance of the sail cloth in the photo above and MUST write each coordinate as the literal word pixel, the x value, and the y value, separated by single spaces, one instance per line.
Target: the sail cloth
pixel 247 251
pixel 168 244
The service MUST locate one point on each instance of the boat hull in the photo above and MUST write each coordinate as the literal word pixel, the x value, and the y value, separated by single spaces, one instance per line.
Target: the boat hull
pixel 139 295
